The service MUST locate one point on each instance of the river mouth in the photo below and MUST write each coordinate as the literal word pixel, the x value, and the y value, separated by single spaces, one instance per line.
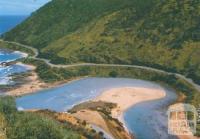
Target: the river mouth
pixel 63 98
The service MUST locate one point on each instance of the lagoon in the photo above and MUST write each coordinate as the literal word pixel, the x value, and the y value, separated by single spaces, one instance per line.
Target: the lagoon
pixel 64 97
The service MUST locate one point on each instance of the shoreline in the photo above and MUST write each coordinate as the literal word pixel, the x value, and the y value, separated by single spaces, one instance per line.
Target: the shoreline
pixel 32 84
pixel 14 62
pixel 23 54
pixel 29 67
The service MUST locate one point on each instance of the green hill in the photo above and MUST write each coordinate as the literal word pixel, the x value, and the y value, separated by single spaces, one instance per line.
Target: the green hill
pixel 157 33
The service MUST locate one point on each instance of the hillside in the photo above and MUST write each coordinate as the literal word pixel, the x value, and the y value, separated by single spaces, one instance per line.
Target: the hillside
pixel 41 124
pixel 161 34
pixel 19 125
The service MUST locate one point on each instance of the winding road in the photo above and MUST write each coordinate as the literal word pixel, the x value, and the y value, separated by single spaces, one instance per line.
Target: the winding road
pixel 35 56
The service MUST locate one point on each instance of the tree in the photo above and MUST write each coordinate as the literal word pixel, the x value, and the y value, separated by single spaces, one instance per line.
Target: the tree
pixel 113 74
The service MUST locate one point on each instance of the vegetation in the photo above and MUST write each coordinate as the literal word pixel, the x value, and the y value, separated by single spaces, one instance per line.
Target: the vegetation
pixel 160 34
pixel 156 33
pixel 42 124
pixel 104 109
pixel 78 125
pixel 21 125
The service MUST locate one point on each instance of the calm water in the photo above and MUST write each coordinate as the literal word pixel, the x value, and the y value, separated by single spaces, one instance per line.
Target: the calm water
pixel 151 115
pixel 5 72
pixel 8 22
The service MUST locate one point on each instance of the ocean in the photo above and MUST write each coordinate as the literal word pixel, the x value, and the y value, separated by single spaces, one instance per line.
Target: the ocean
pixel 9 22
pixel 6 72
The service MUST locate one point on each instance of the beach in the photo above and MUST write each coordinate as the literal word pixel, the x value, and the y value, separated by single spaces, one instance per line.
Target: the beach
pixel 127 97
pixel 33 84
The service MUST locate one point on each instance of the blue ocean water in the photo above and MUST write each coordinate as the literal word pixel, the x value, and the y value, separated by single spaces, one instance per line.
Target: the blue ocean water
pixel 5 72
pixel 64 97
pixel 9 22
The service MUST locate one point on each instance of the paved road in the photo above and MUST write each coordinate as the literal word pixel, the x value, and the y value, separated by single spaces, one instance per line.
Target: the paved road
pixel 197 86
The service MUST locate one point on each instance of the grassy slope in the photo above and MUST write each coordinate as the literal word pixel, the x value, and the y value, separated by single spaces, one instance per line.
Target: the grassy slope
pixel 61 17
pixel 154 33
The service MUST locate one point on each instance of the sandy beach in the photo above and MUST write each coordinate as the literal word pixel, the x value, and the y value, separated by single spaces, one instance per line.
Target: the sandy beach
pixel 32 84
pixel 129 96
